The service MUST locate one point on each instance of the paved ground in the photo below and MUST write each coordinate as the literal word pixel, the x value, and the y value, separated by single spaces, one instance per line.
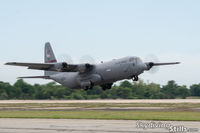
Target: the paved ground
pixel 97 126
pixel 92 126
pixel 106 101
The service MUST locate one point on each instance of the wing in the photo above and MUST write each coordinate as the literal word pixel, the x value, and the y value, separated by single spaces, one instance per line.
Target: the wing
pixel 38 66
pixel 58 67
pixel 169 63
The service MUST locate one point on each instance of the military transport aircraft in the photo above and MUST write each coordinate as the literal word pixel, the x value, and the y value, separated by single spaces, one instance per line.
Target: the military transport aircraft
pixel 87 75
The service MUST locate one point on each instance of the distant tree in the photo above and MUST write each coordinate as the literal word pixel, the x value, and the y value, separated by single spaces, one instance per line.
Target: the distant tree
pixel 8 92
pixel 195 90
pixel 27 91
pixel 104 95
pixel 139 89
pixel 126 90
pixel 124 93
pixel 153 91
pixel 125 84
pixel 77 96
pixel 182 92
pixel 170 89
pixel 96 90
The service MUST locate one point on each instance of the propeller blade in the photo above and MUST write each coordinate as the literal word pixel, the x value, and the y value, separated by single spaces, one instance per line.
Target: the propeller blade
pixel 65 58
pixel 149 59
pixel 86 59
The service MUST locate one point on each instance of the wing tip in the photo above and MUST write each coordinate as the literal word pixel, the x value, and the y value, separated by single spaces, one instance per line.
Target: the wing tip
pixel 7 63
pixel 10 63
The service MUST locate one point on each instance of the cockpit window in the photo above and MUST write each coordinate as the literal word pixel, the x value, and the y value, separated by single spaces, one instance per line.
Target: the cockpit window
pixel 135 59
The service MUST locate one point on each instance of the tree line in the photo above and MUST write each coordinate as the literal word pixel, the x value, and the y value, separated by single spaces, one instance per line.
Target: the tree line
pixel 125 90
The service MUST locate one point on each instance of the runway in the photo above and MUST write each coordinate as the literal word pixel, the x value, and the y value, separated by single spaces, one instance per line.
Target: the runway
pixel 91 126
pixel 15 125
pixel 107 101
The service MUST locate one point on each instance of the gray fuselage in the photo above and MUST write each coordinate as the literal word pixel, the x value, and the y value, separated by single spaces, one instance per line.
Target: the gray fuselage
pixel 103 73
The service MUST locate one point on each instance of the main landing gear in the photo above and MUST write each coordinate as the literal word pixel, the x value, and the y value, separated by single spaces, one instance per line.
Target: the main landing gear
pixel 135 78
pixel 106 86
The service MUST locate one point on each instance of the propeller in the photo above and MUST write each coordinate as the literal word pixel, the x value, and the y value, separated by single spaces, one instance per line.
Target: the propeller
pixel 152 59
pixel 86 59
pixel 153 63
pixel 65 58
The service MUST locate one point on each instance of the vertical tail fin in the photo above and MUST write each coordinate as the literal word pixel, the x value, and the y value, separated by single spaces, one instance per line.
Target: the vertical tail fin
pixel 49 57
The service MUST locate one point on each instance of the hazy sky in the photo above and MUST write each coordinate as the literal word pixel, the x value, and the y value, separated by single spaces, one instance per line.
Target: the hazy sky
pixel 103 29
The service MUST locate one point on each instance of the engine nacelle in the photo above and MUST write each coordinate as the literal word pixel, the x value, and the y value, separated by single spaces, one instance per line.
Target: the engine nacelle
pixel 84 67
pixel 90 81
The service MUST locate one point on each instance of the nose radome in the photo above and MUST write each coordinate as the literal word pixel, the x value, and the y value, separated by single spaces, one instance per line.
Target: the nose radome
pixel 144 66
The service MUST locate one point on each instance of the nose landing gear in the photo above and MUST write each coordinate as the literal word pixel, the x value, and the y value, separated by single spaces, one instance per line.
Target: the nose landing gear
pixel 135 78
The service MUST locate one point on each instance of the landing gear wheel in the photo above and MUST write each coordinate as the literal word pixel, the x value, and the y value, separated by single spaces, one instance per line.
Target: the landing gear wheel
pixel 135 78
pixel 91 85
pixel 107 86
pixel 86 88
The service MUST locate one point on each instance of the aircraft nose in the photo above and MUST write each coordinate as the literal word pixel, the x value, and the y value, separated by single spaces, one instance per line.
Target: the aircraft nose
pixel 144 66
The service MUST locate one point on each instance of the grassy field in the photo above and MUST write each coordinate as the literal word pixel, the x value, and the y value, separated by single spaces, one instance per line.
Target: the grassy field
pixel 109 115
pixel 171 111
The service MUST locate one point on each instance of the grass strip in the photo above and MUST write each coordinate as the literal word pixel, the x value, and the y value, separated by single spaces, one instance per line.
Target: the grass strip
pixel 108 115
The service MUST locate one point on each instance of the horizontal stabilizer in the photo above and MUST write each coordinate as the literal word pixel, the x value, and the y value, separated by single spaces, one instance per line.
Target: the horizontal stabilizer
pixel 44 77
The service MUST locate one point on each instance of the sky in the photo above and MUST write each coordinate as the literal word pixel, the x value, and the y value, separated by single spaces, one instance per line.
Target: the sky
pixel 104 30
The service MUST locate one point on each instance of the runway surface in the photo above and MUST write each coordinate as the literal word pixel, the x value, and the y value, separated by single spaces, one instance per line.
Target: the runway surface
pixel 106 101
pixel 93 126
